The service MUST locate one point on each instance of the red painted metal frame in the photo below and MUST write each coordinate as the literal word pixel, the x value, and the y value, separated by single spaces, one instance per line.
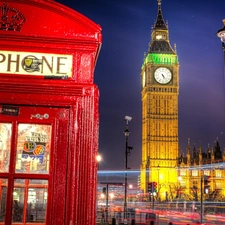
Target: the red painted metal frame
pixel 57 176
pixel 53 28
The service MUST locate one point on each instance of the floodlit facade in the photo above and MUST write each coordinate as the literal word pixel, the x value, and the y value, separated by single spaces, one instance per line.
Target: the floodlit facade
pixel 176 176
pixel 198 165
pixel 160 89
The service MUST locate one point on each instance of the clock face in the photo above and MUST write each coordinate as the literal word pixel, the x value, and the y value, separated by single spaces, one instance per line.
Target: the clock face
pixel 163 75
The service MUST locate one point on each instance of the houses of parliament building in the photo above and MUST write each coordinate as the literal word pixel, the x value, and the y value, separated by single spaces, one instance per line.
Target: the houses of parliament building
pixel 199 163
pixel 161 161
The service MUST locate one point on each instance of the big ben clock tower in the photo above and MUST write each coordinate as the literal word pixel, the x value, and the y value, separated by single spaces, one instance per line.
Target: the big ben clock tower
pixel 160 89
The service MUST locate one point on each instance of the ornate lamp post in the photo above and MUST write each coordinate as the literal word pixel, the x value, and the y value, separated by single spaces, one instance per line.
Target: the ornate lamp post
pixel 221 34
pixel 127 152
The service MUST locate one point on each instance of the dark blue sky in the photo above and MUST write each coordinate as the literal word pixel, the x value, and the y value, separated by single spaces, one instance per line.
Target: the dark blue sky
pixel 126 28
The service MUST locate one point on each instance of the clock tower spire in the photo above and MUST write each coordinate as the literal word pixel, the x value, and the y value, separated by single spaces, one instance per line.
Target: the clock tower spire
pixel 160 35
pixel 160 24
pixel 160 89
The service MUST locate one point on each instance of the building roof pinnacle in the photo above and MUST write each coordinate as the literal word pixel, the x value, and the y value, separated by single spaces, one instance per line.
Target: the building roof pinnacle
pixel 160 35
pixel 160 23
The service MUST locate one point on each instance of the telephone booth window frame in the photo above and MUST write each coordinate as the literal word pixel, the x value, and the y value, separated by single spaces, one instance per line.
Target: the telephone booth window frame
pixel 30 180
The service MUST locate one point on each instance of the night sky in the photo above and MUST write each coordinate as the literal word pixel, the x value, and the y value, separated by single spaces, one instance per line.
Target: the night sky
pixel 126 28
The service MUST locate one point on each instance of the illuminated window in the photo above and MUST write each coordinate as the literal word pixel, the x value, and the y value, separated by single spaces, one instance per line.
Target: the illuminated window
pixel 183 172
pixel 207 172
pixel 194 173
pixel 218 173
pixel 159 36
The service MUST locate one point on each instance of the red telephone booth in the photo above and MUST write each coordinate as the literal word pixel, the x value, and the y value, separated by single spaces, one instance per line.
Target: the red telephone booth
pixel 48 114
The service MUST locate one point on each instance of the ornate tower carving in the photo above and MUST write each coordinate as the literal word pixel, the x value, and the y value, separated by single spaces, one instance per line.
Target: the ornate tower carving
pixel 160 89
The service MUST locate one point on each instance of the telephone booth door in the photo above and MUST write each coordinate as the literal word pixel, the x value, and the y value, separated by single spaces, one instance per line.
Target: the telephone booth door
pixel 33 155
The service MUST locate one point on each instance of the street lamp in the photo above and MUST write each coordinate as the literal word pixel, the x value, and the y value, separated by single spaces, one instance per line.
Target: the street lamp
pixel 98 159
pixel 130 187
pixel 221 34
pixel 127 152
pixel 111 196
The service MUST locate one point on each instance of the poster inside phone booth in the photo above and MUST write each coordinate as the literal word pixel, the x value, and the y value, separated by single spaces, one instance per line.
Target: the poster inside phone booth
pixel 48 114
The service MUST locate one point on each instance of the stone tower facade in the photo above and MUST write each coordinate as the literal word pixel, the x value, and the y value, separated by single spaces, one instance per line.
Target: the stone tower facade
pixel 160 89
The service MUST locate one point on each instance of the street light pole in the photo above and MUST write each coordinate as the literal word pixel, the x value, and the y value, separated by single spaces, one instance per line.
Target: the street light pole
pixel 201 197
pixel 127 151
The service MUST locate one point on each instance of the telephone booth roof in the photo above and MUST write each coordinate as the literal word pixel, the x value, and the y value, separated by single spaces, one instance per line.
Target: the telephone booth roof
pixel 48 19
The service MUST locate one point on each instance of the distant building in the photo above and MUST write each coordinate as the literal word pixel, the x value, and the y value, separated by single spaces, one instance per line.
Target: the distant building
pixel 198 163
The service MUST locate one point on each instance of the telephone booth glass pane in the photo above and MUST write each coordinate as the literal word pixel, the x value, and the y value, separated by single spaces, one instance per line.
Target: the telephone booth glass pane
pixel 3 194
pixel 33 148
pixel 5 145
pixel 29 201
